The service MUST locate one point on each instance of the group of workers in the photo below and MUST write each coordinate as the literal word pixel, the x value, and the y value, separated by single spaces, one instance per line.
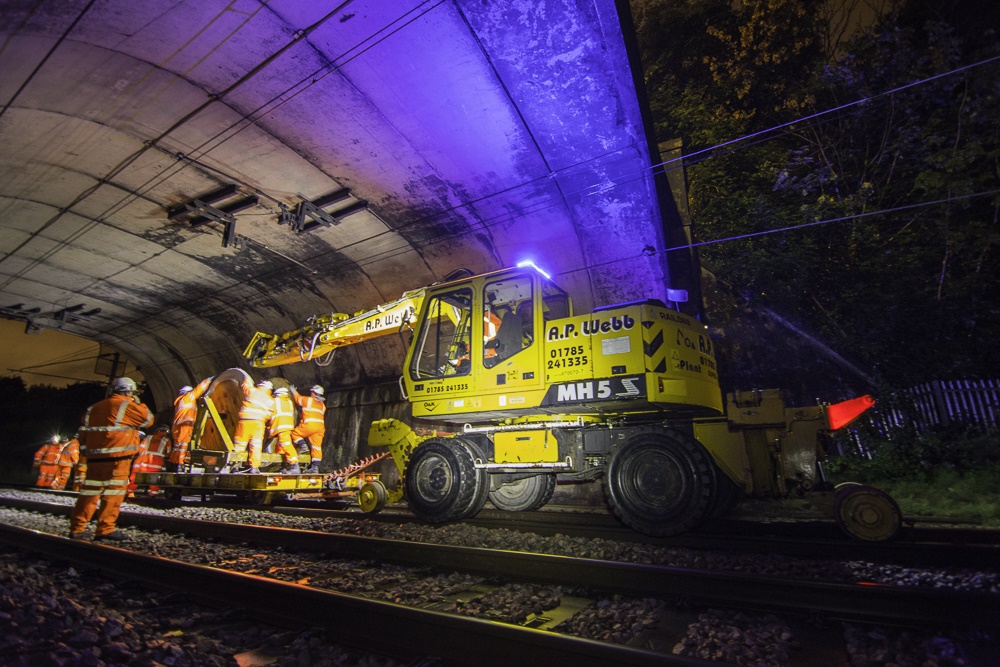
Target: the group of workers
pixel 56 460
pixel 111 446
pixel 269 410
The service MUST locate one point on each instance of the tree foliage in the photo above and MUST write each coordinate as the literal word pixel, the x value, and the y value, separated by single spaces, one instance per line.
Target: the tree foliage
pixel 899 293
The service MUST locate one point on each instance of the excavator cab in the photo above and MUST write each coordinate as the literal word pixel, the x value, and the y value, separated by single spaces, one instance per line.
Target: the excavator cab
pixel 475 343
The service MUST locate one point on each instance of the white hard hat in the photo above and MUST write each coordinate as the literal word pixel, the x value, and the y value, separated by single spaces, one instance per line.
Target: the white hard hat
pixel 316 389
pixel 123 385
pixel 280 391
pixel 55 438
pixel 186 388
pixel 266 384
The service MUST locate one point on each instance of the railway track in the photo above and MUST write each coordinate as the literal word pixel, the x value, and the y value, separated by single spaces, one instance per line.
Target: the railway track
pixel 914 546
pixel 400 632
pixel 683 590
pixel 865 602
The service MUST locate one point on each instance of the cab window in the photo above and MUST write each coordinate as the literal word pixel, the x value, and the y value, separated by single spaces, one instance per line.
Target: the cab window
pixel 508 319
pixel 443 341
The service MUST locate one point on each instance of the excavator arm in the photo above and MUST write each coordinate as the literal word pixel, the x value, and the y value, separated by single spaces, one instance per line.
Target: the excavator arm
pixel 321 335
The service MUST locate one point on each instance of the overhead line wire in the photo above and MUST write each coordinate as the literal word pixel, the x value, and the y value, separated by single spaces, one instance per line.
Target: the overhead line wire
pixel 788 228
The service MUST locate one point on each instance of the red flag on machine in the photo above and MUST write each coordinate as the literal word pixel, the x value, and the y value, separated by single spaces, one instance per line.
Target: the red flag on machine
pixel 841 414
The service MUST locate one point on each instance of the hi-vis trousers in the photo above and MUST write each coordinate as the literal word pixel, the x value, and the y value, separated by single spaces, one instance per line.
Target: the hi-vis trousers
pixel 106 483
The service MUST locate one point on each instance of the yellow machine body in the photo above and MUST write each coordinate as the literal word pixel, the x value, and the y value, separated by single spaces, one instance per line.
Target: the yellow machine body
pixel 543 359
pixel 534 392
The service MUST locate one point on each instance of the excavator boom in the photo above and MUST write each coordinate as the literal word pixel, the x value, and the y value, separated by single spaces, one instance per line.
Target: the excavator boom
pixel 322 334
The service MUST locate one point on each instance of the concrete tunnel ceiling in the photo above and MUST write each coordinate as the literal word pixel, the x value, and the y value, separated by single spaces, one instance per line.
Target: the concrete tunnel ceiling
pixel 422 136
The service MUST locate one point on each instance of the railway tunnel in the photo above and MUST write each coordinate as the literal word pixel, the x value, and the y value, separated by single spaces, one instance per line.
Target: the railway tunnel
pixel 176 176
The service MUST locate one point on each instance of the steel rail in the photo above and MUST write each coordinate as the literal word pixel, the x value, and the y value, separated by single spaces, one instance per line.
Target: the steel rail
pixel 918 546
pixel 401 632
pixel 863 602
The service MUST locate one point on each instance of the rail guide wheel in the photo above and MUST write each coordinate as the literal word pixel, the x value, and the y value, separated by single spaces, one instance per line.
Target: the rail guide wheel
pixel 525 494
pixel 866 513
pixel 372 496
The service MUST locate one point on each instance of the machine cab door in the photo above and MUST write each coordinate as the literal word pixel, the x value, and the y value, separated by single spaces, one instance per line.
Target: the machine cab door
pixel 440 350
pixel 509 354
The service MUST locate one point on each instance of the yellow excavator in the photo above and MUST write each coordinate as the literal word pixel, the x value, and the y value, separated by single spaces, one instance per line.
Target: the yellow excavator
pixel 535 393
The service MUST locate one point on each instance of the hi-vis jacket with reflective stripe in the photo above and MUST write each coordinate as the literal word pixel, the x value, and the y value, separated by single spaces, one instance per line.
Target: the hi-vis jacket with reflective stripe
pixel 313 409
pixel 186 405
pixel 111 428
pixel 257 404
pixel 283 414
pixel 47 454
pixel 70 454
pixel 154 453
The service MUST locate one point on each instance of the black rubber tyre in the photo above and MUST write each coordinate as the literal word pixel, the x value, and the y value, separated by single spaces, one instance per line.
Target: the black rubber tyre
pixel 372 496
pixel 482 480
pixel 441 482
pixel 661 484
pixel 524 495
pixel 728 496
pixel 866 513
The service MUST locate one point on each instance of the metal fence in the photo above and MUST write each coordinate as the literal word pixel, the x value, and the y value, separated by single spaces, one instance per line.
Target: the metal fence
pixel 970 404
pixel 965 403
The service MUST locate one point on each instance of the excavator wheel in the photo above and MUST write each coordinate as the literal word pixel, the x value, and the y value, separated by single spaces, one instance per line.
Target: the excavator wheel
pixel 661 484
pixel 728 496
pixel 866 513
pixel 482 479
pixel 525 494
pixel 372 496
pixel 441 480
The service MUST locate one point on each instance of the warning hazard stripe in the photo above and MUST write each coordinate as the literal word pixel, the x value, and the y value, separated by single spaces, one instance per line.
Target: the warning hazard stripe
pixel 653 347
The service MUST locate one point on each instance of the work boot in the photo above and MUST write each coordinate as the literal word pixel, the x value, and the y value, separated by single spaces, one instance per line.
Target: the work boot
pixel 116 536
pixel 248 471
pixel 291 470
pixel 313 467
pixel 78 536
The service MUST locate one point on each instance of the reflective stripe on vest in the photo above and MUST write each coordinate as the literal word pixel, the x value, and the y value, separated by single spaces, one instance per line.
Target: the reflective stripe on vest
pixel 283 417
pixel 312 410
pixel 257 405
pixel 115 447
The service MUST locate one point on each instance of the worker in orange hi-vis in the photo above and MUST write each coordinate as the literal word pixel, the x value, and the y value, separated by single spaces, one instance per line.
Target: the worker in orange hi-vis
pixel 153 458
pixel 185 411
pixel 491 323
pixel 80 473
pixel 254 413
pixel 69 456
pixel 312 426
pixel 47 462
pixel 110 439
pixel 280 426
